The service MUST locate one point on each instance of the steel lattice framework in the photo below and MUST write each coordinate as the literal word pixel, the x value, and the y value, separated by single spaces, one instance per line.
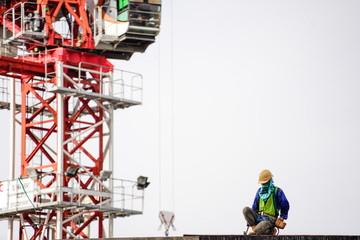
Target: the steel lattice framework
pixel 68 93
pixel 66 121
pixel 63 121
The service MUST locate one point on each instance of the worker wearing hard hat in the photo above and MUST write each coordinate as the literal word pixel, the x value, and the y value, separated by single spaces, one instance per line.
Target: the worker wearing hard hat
pixel 269 209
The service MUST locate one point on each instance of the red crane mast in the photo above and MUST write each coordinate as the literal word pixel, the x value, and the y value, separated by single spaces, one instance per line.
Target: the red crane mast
pixel 54 54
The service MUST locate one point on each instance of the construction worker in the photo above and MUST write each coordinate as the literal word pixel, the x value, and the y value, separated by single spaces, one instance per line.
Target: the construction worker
pixel 268 203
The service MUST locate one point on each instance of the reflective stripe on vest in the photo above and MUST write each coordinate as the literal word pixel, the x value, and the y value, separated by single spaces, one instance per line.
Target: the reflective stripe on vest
pixel 270 206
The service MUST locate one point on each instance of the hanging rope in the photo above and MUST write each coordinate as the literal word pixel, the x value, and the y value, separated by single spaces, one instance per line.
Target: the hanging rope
pixel 164 215
pixel 159 116
pixel 172 106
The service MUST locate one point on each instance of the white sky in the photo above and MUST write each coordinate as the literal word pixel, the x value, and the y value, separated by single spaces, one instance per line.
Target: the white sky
pixel 257 84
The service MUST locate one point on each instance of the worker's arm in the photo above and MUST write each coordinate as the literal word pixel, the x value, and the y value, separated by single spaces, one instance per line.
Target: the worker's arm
pixel 282 203
pixel 255 205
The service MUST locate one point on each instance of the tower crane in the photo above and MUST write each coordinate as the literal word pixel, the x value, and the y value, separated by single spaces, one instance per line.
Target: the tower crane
pixel 62 91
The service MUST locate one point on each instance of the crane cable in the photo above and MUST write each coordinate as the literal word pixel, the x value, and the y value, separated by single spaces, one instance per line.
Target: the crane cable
pixel 172 111
pixel 172 104
pixel 159 121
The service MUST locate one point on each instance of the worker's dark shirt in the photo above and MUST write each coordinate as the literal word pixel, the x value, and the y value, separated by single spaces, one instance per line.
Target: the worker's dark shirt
pixel 281 203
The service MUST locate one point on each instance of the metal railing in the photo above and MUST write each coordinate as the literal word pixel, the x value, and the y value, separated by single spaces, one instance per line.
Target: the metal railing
pixel 121 84
pixel 25 194
pixel 127 85
pixel 18 22
pixel 5 91
pixel 117 84
pixel 144 14
pixel 9 50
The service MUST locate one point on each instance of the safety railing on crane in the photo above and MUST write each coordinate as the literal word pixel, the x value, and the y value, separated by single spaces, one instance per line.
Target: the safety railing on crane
pixel 7 50
pixel 121 88
pixel 25 22
pixel 25 194
pixel 143 16
pixel 5 96
pixel 4 92
pixel 116 86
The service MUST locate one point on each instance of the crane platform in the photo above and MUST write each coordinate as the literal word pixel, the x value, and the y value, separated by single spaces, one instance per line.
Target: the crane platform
pixel 15 199
pixel 116 101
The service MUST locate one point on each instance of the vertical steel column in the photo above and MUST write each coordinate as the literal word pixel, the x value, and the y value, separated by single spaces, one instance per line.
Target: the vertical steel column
pixel 60 147
pixel 12 146
pixel 111 153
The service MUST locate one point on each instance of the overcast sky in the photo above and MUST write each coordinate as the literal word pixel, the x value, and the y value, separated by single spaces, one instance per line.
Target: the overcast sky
pixel 242 86
pixel 257 84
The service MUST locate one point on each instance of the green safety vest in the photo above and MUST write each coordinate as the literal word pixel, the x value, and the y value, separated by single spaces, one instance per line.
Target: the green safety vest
pixel 269 207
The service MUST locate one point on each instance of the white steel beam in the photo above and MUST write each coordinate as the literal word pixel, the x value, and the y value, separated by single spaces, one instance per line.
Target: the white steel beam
pixel 12 146
pixel 60 146
pixel 111 154
pixel 82 132
pixel 73 217
pixel 23 229
pixel 45 224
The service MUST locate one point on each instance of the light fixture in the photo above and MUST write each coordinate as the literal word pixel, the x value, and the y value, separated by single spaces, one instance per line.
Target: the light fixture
pixel 32 173
pixel 71 171
pixel 142 182
pixel 104 175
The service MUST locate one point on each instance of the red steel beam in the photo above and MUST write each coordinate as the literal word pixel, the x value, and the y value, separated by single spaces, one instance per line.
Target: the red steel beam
pixel 21 66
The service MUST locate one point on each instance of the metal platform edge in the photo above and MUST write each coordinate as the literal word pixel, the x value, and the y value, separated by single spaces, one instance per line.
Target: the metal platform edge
pixel 118 212
pixel 117 102
pixel 243 237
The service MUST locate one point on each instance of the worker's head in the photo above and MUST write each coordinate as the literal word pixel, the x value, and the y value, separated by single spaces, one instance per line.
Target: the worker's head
pixel 265 176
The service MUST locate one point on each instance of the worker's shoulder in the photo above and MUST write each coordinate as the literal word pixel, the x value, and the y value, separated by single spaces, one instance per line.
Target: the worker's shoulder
pixel 279 190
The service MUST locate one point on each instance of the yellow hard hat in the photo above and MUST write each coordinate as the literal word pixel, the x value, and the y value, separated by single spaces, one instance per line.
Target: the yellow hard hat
pixel 265 176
